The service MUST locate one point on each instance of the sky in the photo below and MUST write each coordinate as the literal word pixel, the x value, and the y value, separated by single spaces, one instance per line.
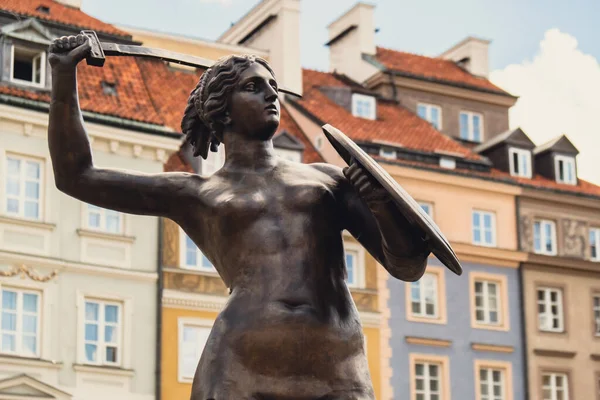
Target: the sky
pixel 544 51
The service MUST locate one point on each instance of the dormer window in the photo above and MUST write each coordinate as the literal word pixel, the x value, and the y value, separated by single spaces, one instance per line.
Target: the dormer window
pixel 430 113
pixel 387 153
pixel 471 126
pixel 448 163
pixel 363 106
pixel 564 168
pixel 28 66
pixel 520 162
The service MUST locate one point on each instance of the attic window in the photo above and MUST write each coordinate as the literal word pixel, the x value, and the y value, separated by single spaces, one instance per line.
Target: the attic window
pixel 109 88
pixel 565 170
pixel 28 66
pixel 520 162
pixel 43 9
pixel 387 153
pixel 363 106
pixel 448 163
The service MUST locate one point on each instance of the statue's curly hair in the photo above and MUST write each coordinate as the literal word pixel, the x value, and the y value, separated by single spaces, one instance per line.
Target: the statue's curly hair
pixel 205 115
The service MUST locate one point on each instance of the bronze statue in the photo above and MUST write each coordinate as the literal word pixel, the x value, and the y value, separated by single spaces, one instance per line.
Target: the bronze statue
pixel 271 227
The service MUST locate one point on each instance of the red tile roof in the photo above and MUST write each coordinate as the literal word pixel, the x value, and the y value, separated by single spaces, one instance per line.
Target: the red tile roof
pixel 394 123
pixel 436 69
pixel 130 102
pixel 59 13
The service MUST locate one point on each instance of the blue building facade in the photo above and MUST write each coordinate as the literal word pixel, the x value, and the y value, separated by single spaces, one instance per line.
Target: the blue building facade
pixel 458 337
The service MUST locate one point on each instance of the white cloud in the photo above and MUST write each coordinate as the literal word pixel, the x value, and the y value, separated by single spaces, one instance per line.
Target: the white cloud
pixel 559 93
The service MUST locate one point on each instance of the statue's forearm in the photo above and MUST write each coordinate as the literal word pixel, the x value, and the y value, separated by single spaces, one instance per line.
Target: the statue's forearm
pixel 67 139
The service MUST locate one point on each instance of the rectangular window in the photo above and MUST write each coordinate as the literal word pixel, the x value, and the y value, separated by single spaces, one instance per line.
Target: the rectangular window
pixel 23 187
pixel 596 310
pixel 565 170
pixel 355 268
pixel 492 384
pixel 520 162
pixel 550 309
pixel 193 258
pixel 363 106
pixel 595 244
pixel 387 153
pixel 424 296
pixel 428 381
pixel 487 302
pixel 192 339
pixel 555 386
pixel 428 208
pixel 20 322
pixel 544 237
pixel 430 113
pixel 28 66
pixel 102 329
pixel 471 126
pixel 104 220
pixel 484 228
pixel 214 161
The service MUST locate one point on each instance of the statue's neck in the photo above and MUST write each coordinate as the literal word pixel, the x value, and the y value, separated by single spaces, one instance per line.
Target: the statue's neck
pixel 248 154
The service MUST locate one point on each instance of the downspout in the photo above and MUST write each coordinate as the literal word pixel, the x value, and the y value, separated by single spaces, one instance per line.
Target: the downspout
pixel 522 303
pixel 158 372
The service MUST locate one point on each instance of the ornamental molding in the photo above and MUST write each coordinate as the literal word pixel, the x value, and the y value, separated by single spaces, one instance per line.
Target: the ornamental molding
pixel 25 271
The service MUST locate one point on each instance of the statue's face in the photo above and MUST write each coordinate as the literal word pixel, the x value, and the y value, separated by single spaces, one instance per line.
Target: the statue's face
pixel 254 106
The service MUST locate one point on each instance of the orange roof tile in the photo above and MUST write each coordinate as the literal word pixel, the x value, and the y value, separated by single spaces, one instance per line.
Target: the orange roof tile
pixel 436 69
pixel 130 102
pixel 59 13
pixel 394 123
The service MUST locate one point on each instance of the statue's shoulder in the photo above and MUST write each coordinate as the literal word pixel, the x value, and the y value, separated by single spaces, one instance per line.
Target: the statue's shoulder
pixel 331 170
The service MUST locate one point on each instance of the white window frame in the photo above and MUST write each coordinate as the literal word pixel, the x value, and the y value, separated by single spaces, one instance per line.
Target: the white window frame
pixel 387 153
pixel 526 154
pixel 214 161
pixel 596 313
pixel 553 386
pixel 199 256
pixel 41 54
pixel 290 155
pixel 482 229
pixel 19 351
pixel 448 163
pixel 359 266
pixel 470 130
pixel 547 303
pixel 489 383
pixel 543 237
pixel 358 98
pixel 566 160
pixel 429 205
pixel 182 322
pixel 22 180
pixel 427 277
pixel 427 117
pixel 595 244
pixel 101 343
pixel 486 308
pixel 103 215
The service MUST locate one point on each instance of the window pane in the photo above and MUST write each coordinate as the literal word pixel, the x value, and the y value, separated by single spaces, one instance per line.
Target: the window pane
pixel 9 300
pixel 111 354
pixel 191 252
pixel 33 170
pixel 419 369
pixel 206 264
pixel 537 234
pixel 93 220
pixel 9 342
pixel 91 352
pixel 31 209
pixel 110 334
pixel 435 117
pixel 476 128
pixel 433 370
pixel 113 221
pixel 9 321
pixel 13 166
pixel 350 268
pixel 13 187
pixel 91 332
pixel 487 221
pixel 111 313
pixel 91 311
pixel 29 324
pixel 12 206
pixel 29 345
pixel 422 111
pixel 464 126
pixel 30 302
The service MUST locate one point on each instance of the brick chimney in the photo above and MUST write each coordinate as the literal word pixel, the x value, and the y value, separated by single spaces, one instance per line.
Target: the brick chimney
pixel 350 36
pixel 274 26
pixel 70 3
pixel 472 54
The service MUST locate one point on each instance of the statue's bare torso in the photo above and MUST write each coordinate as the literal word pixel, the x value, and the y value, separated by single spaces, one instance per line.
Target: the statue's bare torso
pixel 290 327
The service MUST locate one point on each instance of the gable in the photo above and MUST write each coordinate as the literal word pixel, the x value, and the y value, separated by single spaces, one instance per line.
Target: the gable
pixel 28 388
pixel 518 138
pixel 29 30
pixel 286 141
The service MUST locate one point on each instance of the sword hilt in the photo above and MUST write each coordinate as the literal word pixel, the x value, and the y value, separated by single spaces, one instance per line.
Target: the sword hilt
pixel 96 57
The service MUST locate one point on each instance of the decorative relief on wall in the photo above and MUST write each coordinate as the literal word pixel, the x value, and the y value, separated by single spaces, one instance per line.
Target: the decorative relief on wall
pixel 25 271
pixel 170 243
pixel 526 232
pixel 365 301
pixel 195 283
pixel 574 238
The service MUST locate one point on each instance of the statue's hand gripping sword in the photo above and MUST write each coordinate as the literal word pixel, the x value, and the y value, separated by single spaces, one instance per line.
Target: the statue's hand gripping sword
pixel 100 50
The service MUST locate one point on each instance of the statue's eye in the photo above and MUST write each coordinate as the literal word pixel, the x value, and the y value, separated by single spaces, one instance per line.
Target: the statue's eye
pixel 250 86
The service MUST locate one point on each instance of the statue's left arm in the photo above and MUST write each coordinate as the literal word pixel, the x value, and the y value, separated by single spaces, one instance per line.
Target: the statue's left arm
pixel 370 215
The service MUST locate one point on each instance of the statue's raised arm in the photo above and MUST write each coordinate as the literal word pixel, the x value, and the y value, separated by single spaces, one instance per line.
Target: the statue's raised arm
pixel 74 171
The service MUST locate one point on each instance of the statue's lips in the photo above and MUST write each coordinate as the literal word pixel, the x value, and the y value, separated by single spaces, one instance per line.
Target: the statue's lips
pixel 271 107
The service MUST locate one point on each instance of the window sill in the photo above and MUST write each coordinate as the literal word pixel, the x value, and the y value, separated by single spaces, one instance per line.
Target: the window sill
pixel 544 331
pixel 106 236
pixel 195 271
pixel 22 361
pixel 486 327
pixel 104 369
pixel 30 223
pixel 425 320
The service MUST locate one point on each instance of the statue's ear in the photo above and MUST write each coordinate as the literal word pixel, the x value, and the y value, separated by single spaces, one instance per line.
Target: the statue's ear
pixel 201 148
pixel 226 120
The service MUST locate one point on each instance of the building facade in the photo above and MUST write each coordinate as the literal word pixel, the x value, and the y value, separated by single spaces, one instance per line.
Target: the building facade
pixel 78 284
